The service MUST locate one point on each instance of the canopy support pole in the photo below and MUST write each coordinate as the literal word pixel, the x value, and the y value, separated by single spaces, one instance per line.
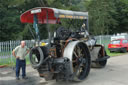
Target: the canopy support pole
pixel 35 26
pixel 87 22
pixel 49 32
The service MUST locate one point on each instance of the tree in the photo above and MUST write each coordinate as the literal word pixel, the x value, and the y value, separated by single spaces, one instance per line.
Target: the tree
pixel 10 26
pixel 105 16
pixel 121 16
pixel 100 16
pixel 9 21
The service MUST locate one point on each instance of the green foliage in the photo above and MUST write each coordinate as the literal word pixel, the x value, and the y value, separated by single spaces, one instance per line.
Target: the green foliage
pixel 100 16
pixel 9 21
pixel 122 16
pixel 105 16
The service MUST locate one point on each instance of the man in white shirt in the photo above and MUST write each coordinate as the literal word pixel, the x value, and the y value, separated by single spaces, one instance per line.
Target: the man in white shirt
pixel 84 29
pixel 19 53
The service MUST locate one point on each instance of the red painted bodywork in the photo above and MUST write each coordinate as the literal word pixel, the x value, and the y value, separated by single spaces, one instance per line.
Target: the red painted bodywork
pixel 27 17
pixel 119 44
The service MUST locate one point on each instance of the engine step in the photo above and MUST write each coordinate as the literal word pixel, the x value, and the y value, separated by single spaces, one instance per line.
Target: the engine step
pixel 101 59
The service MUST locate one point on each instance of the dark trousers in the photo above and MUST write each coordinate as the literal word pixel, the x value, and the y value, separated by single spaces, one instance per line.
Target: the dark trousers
pixel 20 64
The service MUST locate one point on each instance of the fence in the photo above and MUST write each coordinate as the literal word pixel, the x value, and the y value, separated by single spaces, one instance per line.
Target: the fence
pixel 103 39
pixel 6 50
pixel 7 47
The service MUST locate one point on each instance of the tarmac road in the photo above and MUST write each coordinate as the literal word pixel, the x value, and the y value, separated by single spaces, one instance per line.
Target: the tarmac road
pixel 115 73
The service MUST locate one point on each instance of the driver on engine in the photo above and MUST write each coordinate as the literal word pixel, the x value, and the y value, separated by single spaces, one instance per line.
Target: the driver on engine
pixel 84 31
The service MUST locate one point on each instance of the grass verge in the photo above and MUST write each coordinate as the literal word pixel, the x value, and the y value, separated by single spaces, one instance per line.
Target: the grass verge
pixel 114 53
pixel 11 62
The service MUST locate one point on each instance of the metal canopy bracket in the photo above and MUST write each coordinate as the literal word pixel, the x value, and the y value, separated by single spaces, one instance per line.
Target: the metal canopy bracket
pixel 35 26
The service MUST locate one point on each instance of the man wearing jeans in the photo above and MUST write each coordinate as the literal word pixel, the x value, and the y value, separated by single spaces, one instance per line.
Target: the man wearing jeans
pixel 20 52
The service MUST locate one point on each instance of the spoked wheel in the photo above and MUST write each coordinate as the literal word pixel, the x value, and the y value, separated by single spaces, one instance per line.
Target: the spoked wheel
pixel 100 64
pixel 36 57
pixel 80 62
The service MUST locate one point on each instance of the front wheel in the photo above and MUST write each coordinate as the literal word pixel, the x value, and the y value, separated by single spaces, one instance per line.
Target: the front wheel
pixel 99 64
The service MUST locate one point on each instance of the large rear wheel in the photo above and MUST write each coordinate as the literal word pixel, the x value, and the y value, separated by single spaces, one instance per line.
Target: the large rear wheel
pixel 80 62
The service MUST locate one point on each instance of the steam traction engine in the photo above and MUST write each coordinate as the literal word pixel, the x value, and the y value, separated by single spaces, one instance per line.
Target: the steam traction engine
pixel 69 55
